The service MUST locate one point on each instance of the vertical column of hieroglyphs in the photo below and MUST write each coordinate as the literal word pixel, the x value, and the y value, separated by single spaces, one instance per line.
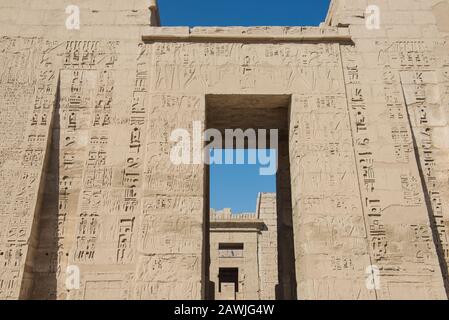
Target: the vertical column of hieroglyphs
pixel 440 152
pixel 423 72
pixel 329 230
pixel 404 260
pixel 100 226
pixel 76 244
pixel 27 96
pixel 171 235
pixel 130 149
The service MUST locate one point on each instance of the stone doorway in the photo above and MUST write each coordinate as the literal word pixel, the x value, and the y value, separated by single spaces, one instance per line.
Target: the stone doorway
pixel 228 285
pixel 224 112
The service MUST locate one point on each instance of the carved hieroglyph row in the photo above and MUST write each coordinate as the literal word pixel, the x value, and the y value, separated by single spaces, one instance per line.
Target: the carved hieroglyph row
pixel 235 67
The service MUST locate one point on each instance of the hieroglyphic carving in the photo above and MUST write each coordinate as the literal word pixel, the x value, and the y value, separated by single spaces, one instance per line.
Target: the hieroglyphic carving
pixel 389 252
pixel 186 66
pixel 172 199
pixel 156 224
pixel 424 100
pixel 157 274
pixel 85 95
pixel 325 196
pixel 364 155
pixel 76 106
pixel 28 85
pixel 133 222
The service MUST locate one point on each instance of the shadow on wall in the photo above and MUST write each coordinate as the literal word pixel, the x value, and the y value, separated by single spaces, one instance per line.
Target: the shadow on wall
pixel 46 266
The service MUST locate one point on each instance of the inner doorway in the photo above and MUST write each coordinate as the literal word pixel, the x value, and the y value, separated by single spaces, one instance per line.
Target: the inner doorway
pixel 228 286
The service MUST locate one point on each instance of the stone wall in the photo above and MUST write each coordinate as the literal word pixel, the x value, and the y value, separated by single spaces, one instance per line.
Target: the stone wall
pixel 86 117
pixel 397 87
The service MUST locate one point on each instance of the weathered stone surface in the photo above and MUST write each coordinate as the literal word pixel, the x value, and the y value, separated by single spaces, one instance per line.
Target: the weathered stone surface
pixel 85 120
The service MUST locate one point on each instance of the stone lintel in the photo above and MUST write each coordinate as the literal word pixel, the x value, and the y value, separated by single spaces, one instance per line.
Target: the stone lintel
pixel 248 34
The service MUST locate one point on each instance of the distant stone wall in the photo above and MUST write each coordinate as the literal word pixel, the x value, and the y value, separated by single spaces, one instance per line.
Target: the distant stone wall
pixel 257 260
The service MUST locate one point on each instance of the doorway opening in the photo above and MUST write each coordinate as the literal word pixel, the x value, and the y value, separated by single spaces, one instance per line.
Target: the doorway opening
pixel 228 285
pixel 251 128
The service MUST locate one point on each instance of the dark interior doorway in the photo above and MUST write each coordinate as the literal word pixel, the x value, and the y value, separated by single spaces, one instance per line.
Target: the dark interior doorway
pixel 228 275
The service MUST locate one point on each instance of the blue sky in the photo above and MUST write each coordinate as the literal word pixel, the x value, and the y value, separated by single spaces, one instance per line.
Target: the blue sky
pixel 243 12
pixel 237 186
